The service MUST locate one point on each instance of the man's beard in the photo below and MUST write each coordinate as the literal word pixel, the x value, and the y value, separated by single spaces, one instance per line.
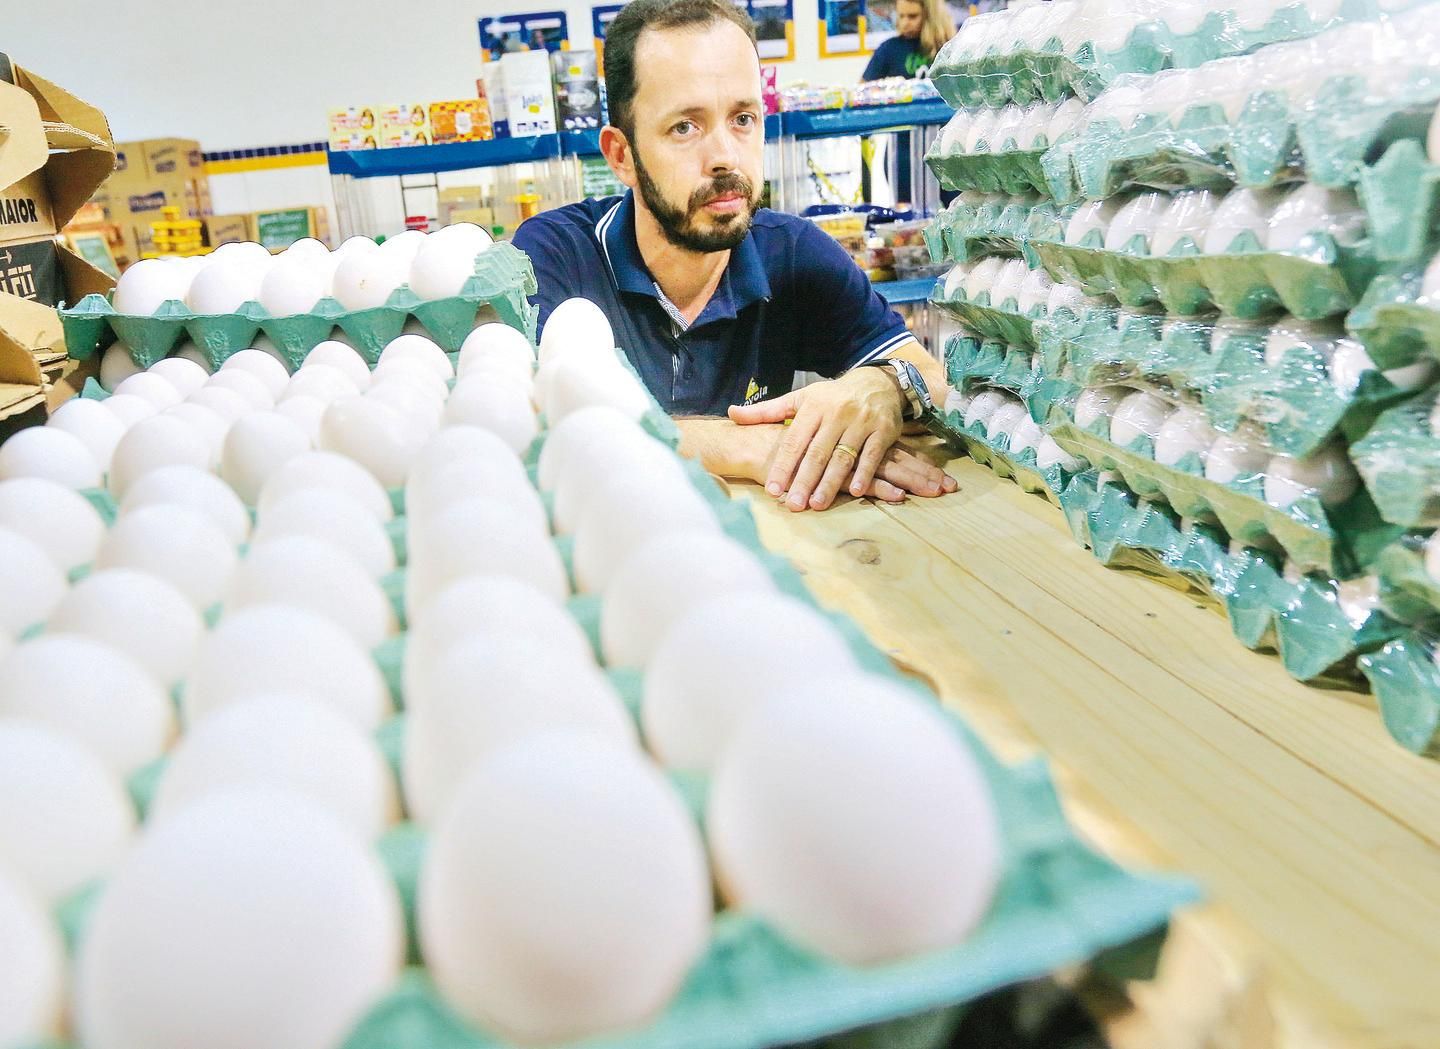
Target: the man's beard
pixel 679 224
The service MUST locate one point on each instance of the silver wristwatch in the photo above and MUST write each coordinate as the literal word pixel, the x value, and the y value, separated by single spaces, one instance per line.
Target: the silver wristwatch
pixel 912 387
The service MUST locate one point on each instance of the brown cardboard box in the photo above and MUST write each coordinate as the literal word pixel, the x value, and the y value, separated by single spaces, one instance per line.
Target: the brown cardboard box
pixel 54 151
pixel 172 157
pixel 224 229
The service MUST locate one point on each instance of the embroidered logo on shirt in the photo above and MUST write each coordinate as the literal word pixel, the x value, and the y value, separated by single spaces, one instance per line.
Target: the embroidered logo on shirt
pixel 755 392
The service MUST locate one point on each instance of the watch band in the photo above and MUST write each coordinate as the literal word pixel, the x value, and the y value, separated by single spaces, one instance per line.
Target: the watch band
pixel 912 387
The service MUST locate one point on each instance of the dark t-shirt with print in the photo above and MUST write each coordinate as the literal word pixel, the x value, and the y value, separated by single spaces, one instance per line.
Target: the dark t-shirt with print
pixel 897 56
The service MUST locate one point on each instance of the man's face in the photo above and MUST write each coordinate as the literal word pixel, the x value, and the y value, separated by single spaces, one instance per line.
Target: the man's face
pixel 909 17
pixel 699 138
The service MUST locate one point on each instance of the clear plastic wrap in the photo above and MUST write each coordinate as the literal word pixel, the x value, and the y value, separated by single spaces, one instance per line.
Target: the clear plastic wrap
pixel 1400 461
pixel 1399 316
pixel 1000 150
pixel 978 224
pixel 1405 676
pixel 998 298
pixel 1247 253
pixel 1078 47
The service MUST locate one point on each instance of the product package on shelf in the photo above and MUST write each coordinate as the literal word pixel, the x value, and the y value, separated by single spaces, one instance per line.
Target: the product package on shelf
pixel 1399 317
pixel 1405 673
pixel 978 224
pixel 994 426
pixel 999 150
pixel 1002 298
pixel 1399 458
pixel 391 476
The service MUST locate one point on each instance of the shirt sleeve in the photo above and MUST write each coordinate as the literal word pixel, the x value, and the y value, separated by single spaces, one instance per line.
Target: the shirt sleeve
pixel 875 68
pixel 848 323
pixel 546 244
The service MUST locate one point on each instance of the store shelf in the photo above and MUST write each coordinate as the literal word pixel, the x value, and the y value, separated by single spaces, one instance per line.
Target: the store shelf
pixel 1316 836
pixel 829 123
pixel 457 156
pixel 902 292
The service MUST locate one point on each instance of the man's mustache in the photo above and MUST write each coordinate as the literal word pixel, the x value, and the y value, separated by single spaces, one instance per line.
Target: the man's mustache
pixel 724 186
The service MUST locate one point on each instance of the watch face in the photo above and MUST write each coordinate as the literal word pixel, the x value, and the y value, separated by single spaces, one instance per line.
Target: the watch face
pixel 917 383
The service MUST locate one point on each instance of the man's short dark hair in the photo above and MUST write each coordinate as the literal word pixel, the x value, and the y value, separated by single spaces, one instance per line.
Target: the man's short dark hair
pixel 624 33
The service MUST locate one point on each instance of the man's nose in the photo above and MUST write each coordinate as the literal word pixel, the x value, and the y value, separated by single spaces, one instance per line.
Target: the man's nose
pixel 723 156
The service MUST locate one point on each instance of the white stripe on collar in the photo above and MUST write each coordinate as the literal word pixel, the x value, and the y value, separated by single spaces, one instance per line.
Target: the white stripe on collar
pixel 602 230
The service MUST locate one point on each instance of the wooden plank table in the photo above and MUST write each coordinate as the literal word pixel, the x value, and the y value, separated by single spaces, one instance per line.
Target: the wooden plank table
pixel 1316 837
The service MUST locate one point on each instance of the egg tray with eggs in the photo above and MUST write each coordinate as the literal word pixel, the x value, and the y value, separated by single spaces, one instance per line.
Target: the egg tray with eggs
pixel 979 224
pixel 1409 574
pixel 1000 150
pixel 995 428
pixel 1058 903
pixel 1315 109
pixel 1301 384
pixel 971 359
pixel 1401 195
pixel 1060 49
pixel 1399 460
pixel 1399 317
pixel 1405 677
pixel 1316 625
pixel 498 290
pixel 1004 299
pixel 1250 254
pixel 1314 508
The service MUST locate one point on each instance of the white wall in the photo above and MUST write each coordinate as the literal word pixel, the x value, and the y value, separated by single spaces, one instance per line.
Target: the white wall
pixel 244 73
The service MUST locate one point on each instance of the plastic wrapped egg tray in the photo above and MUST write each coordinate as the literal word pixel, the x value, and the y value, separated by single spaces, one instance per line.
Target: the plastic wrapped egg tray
pixel 1058 903
pixel 1300 384
pixel 1398 319
pixel 1405 678
pixel 1316 109
pixel 1316 625
pixel 1005 299
pixel 1152 250
pixel 999 150
pixel 1052 50
pixel 498 291
pixel 1314 509
pixel 976 225
pixel 1399 460
pixel 970 359
pixel 1401 194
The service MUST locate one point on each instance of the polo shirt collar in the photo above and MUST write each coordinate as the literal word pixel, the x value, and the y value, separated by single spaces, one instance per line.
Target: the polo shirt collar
pixel 743 283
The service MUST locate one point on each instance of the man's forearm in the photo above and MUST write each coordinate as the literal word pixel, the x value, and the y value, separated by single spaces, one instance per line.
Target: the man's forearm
pixel 931 370
pixel 727 450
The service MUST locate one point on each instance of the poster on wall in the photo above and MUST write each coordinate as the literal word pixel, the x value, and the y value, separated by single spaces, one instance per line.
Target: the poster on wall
pixel 879 22
pixel 840 27
pixel 774 29
pixel 533 31
pixel 601 15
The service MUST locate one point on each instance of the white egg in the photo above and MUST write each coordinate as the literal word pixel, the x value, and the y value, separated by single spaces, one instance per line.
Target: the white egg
pixel 1064 296
pixel 1358 599
pixel 30 580
pixel 421 349
pixel 477 237
pixel 404 244
pixel 96 427
pixel 1123 103
pixel 576 325
pixel 92 692
pixel 306 572
pixel 255 447
pixel 586 428
pixel 54 517
pixel 32 977
pixel 223 286
pixel 129 409
pixel 248 252
pixel 550 911
pixel 251 910
pixel 1098 403
pixel 147 285
pixel 184 375
pixel 322 382
pixel 175 543
pixel 982 278
pixel 463 444
pixel 476 534
pixel 803 834
pixel 374 435
pixel 305 248
pixel 486 605
pixel 1185 432
pixel 195 488
pixel 1003 422
pixel 1189 215
pixel 528 689
pixel 334 517
pixel 305 411
pixel 243 381
pixel 287 741
pixel 952 139
pixel 981 130
pixel 1311 209
pixel 662 579
pixel 138 613
pixel 188 351
pixel 1315 340
pixel 1048 454
pixel 261 366
pixel 49 453
pixel 441 267
pixel 634 457
pixel 1240 211
pixel 1139 217
pixel 366 280
pixel 1234 458
pixel 1066 115
pixel 117 365
pixel 1432 557
pixel 415 373
pixel 1093 215
pixel 1139 414
pixel 955 279
pixel 224 402
pixel 501 409
pixel 418 409
pixel 326 470
pixel 287 649
pixel 1034 291
pixel 622 513
pixel 1008 281
pixel 338 355
pixel 702 679
pixel 1026 436
pixel 152 388
pixel 292 287
pixel 984 405
pixel 582 381
pixel 154 443
pixel 1327 474
pixel 357 246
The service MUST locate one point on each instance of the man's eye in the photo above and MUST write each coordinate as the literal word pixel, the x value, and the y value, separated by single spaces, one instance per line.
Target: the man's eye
pixel 745 119
pixel 683 128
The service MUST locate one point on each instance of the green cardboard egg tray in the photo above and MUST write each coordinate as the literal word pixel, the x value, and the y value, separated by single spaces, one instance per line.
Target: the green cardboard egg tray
pixel 1059 903
pixel 1003 168
pixel 1406 682
pixel 1399 460
pixel 996 224
pixel 1319 278
pixel 1401 195
pixel 1396 323
pixel 991 362
pixel 497 292
pixel 1002 321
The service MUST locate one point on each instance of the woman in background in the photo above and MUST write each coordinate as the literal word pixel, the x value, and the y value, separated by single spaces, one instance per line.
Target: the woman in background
pixel 922 28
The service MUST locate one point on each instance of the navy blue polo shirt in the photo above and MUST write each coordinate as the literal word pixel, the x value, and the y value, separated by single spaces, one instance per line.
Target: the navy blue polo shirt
pixel 790 300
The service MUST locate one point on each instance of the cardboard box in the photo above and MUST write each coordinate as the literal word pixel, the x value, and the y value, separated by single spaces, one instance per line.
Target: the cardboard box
pixel 226 229
pixel 404 124
pixel 55 150
pixel 463 120
pixel 172 158
pixel 529 93
pixel 353 127
pixel 322 226
pixel 577 90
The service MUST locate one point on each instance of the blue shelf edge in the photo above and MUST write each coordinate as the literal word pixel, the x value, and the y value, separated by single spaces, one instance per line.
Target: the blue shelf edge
pixel 454 156
pixel 829 123
pixel 905 292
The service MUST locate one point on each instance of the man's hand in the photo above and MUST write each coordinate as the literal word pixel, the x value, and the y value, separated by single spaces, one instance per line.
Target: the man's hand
pixel 840 430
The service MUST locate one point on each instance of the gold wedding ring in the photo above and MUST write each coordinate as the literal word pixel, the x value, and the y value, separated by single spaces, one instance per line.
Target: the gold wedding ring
pixel 847 450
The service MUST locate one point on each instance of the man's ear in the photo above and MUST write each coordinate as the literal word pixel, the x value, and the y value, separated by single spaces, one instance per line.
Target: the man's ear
pixel 616 149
